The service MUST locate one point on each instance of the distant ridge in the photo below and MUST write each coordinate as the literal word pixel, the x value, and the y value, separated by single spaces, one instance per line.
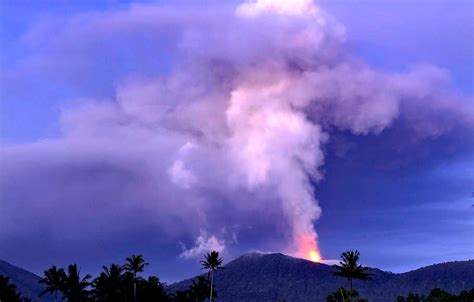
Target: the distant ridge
pixel 259 277
pixel 272 277
pixel 26 282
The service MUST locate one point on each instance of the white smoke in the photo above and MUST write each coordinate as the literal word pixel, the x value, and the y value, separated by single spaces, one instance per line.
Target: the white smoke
pixel 178 172
pixel 204 244
pixel 281 7
pixel 272 143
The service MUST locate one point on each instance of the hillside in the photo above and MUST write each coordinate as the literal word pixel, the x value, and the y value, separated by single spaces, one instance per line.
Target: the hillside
pixel 275 277
pixel 272 277
pixel 25 281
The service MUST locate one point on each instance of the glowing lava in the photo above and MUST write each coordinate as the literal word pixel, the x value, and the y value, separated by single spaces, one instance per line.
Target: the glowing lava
pixel 307 247
pixel 314 256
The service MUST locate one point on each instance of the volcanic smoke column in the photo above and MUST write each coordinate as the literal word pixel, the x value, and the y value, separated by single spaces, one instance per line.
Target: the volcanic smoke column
pixel 274 144
pixel 272 140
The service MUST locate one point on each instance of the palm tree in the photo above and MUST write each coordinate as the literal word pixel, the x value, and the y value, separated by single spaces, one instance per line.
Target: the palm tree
pixel 350 268
pixel 135 264
pixel 212 263
pixel 8 291
pixel 75 287
pixel 200 288
pixel 54 280
pixel 344 295
pixel 109 285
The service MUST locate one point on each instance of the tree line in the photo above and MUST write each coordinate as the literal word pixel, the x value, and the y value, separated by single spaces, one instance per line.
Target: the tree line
pixel 123 283
pixel 117 283
pixel 439 295
pixel 350 269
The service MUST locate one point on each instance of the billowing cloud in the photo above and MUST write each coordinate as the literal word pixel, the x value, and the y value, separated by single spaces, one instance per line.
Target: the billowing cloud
pixel 234 133
pixel 204 244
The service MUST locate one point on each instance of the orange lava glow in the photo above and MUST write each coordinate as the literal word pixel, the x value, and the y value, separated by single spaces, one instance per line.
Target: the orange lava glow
pixel 314 256
pixel 307 248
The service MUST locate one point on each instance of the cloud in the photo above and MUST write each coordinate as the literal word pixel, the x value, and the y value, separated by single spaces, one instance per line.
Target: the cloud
pixel 234 131
pixel 204 244
pixel 282 7
pixel 179 174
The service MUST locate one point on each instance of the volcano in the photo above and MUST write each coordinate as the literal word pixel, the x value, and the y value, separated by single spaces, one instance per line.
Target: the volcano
pixel 259 277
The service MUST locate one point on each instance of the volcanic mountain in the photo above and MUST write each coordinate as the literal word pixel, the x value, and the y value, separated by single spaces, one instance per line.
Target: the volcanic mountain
pixel 259 277
pixel 276 277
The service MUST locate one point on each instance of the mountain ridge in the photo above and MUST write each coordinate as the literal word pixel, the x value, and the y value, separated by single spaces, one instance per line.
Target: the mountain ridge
pixel 25 281
pixel 272 277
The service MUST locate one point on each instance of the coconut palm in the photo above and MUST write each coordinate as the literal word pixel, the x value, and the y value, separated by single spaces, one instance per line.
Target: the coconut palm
pixel 8 291
pixel 212 262
pixel 344 295
pixel 200 288
pixel 108 286
pixel 54 280
pixel 350 268
pixel 75 287
pixel 135 264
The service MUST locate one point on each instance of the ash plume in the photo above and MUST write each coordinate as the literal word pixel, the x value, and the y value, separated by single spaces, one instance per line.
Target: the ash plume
pixel 238 123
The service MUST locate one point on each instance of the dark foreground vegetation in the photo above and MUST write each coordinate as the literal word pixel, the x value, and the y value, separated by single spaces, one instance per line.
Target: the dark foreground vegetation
pixel 438 295
pixel 350 269
pixel 116 283
pixel 8 291
pixel 124 283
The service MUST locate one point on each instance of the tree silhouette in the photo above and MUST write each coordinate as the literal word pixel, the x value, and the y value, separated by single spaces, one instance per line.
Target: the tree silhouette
pixel 135 264
pixel 112 284
pixel 350 268
pixel 8 291
pixel 153 290
pixel 410 298
pixel 54 280
pixel 109 286
pixel 212 262
pixel 200 288
pixel 343 295
pixel 184 296
pixel 75 287
pixel 439 295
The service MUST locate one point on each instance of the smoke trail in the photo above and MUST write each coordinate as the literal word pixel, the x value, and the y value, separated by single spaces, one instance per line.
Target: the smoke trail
pixel 274 144
pixel 272 140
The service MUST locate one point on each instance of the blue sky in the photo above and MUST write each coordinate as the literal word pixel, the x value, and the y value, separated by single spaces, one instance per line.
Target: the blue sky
pixel 402 200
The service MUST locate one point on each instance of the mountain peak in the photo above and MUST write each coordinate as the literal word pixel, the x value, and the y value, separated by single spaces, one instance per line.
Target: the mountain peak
pixel 269 277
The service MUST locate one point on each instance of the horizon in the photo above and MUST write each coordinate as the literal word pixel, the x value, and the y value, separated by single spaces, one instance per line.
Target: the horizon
pixel 173 128
pixel 324 262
